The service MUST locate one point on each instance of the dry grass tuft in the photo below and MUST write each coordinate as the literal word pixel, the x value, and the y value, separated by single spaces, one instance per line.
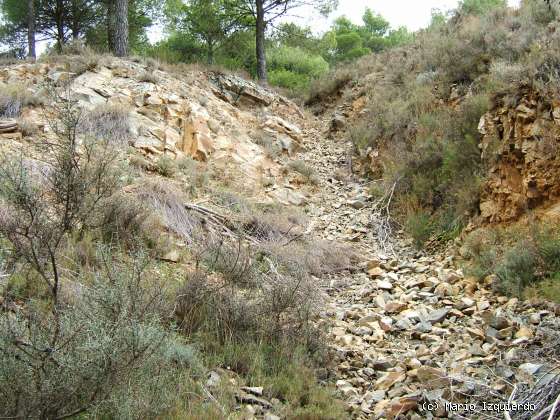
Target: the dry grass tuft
pixel 14 98
pixel 107 122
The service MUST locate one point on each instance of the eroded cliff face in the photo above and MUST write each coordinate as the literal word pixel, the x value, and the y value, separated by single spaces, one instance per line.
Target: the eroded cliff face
pixel 212 117
pixel 520 147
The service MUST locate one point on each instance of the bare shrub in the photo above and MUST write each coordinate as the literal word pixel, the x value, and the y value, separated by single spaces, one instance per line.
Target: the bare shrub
pixel 257 297
pixel 329 85
pixel 39 212
pixel 194 172
pixel 271 147
pixel 274 223
pixel 316 257
pixel 214 309
pixel 107 122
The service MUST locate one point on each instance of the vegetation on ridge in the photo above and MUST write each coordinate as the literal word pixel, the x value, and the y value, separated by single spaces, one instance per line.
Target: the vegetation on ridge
pixel 425 101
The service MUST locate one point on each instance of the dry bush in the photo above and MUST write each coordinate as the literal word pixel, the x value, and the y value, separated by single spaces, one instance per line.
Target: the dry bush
pixel 107 122
pixel 232 201
pixel 77 57
pixel 315 257
pixel 126 220
pixel 255 298
pixel 27 127
pixel 306 171
pixel 525 259
pixel 140 162
pixel 148 76
pixel 88 357
pixel 329 85
pixel 233 260
pixel 168 202
pixel 195 173
pixel 272 223
pixel 14 98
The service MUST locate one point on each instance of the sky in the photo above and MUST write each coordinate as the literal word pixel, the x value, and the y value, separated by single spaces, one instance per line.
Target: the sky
pixel 414 14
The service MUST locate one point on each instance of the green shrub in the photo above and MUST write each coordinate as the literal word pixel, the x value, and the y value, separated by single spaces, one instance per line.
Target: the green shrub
pixel 288 79
pixel 166 166
pixel 525 260
pixel 420 227
pixel 148 76
pixel 293 68
pixel 479 7
pixel 107 354
pixel 297 61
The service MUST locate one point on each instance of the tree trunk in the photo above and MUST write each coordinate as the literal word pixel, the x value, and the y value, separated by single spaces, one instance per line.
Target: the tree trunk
pixel 210 52
pixel 75 21
pixel 110 24
pixel 59 17
pixel 31 30
pixel 120 42
pixel 261 53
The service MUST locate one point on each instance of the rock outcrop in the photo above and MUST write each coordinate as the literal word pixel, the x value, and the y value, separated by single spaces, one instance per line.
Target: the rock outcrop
pixel 521 147
pixel 204 115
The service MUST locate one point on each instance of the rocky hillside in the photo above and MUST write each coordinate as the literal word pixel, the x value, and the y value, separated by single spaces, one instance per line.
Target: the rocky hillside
pixel 520 145
pixel 194 114
pixel 291 293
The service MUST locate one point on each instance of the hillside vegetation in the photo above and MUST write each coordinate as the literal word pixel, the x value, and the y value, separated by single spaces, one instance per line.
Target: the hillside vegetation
pixel 419 130
pixel 178 241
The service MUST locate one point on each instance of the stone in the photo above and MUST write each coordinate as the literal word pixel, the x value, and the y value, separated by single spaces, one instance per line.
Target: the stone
pixel 374 396
pixel 395 307
pixel 213 380
pixel 338 122
pixel 403 324
pixel 423 327
pixel 437 316
pixel 381 364
pixel 465 303
pixel 372 264
pixel 432 378
pixel 363 331
pixel 535 319
pixel 8 126
pixel 366 320
pixel 524 332
pixel 346 388
pixel 376 272
pixel 476 333
pixel 530 368
pixel 357 204
pixel 389 379
pixel 499 322
pixel 245 398
pixel 384 285
pixel 172 256
pixel 255 390
pixel 401 406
